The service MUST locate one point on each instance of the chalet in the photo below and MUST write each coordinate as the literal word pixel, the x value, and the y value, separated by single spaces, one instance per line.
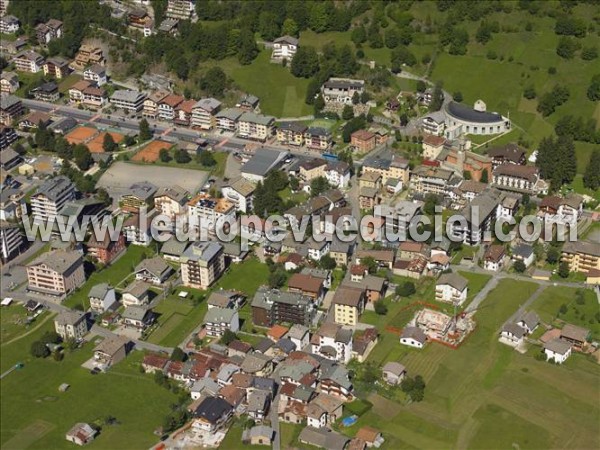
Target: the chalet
pixel 341 90
pixel 47 92
pixel 507 154
pixel 28 61
pixel 9 82
pixel 56 67
pixel 106 250
pixel 577 336
pixel 557 350
pixel 138 317
pixel 284 47
pixel 393 372
pixel 317 138
pixel 413 337
pixel 154 270
pixel 493 259
pixel 452 288
pixel 102 298
pixel 137 293
pixel 212 414
pixel 291 133
pixel 96 74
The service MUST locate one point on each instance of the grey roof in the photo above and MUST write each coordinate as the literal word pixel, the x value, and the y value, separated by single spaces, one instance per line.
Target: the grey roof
pixel 317 273
pixel 227 371
pixel 287 39
pixel 250 99
pixel 264 345
pixel 99 290
pixel 174 192
pixel 221 298
pixel 127 95
pixel 8 155
pixel 264 384
pixel 324 438
pixel 264 298
pixel 201 251
pixel 206 384
pixel 574 332
pixel 174 247
pixel 531 319
pixel 368 192
pixel 255 362
pixel 9 20
pixel 138 289
pixel 71 317
pixel 437 116
pixel 54 187
pixel 285 345
pixel 514 329
pixel 464 112
pixel 585 247
pixel 97 69
pixel 415 333
pixel 338 374
pixel 242 186
pixel 394 367
pixel 482 205
pixel 522 250
pixel 142 190
pixel 344 83
pixel 318 131
pixel 64 124
pixel 219 315
pixel 263 161
pixel 212 409
pixel 257 400
pixel 59 260
pixel 260 119
pixel 453 279
pixel 338 246
pixel 261 431
pixel 297 331
pixel 111 345
pixel 156 266
pixel 230 113
pixel 296 127
pixel 558 345
pixel 208 104
pixel 135 312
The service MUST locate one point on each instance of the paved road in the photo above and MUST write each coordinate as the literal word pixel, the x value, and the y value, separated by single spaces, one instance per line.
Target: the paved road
pixel 526 305
pixel 274 416
pixel 100 331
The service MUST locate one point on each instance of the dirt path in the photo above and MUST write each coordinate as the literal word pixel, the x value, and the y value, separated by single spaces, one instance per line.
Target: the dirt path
pixel 28 332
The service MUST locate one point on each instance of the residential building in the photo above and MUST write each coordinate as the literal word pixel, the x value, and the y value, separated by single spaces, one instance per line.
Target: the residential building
pixel 138 317
pixel 88 54
pixel 204 113
pixel 94 97
pixel 102 298
pixel 140 195
pixel 493 259
pixel 153 270
pixel 576 336
pixel 46 92
pixel 226 299
pixel 291 133
pixel 8 135
pixel 218 320
pixel 388 166
pixel 341 90
pixel 96 73
pixel 299 335
pixel 318 138
pixel 307 285
pixel 338 174
pixel 76 91
pixel 451 288
pixel 50 197
pixel 181 9
pixel 323 438
pixel 255 126
pixel 46 32
pixel 479 217
pixel 507 154
pixel 227 119
pixel 340 252
pixel 184 111
pixel 9 159
pixel 240 192
pixel 71 325
pixel 9 83
pixel 335 381
pixel 518 178
pixel 169 26
pixel 363 141
pixel 128 100
pixel 434 123
pixel 523 252
pixel 137 228
pixel 56 67
pixel 393 373
pixel 324 410
pixel 582 256
pixel 106 250
pixel 370 436
pixel 110 351
pixel 398 218
pixel 206 212
pixel 171 201
pixel 270 306
pixel 81 434
pixel 557 350
pixel 262 163
pixel 311 169
pixel 28 61
pixel 167 107
pixel 363 342
pixel 11 108
pixel 11 240
pixel 284 47
pixel 150 109
pixel 258 407
pixel 512 334
pixel 9 25
pixel 202 264
pixel 333 342
pixel 433 146
pixel 413 337
pixel 136 294
pixel 561 210
pixel 348 305
pixel 172 249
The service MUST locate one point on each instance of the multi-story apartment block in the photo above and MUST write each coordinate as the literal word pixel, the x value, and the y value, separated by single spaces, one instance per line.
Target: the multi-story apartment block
pixel 338 174
pixel 271 306
pixel 94 97
pixel 218 320
pixel 318 138
pixel 71 325
pixel 127 99
pixel 518 178
pixel 28 61
pixel 57 273
pixel 202 263
pixel 255 126
pixel 432 146
pixel 46 32
pixel 227 119
pixel 88 55
pixel 479 217
pixel 204 113
pixel 348 305
pixel 171 201
pixel 167 106
pixel 507 154
pixel 96 73
pixel 11 108
pixel 9 25
pixel 333 342
pixel 11 240
pixel 183 112
pixel 430 180
pixel 363 141
pixel 9 82
pixel 312 169
pixel 107 249
pixel 8 135
pixel 434 123
pixel 76 91
pixel 582 256
pixel 204 211
pixel 341 90
pixel 181 9
pixel 291 133
pixel 140 195
pixel 47 92
pixel 57 67
pixel 388 166
pixel 452 288
pixel 241 193
pixel 151 103
pixel 50 197
pixel 561 210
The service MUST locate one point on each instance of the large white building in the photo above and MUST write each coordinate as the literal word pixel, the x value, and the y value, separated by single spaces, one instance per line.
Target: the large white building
pixel 451 288
pixel 241 192
pixel 11 240
pixel 202 264
pixel 204 113
pixel 284 47
pixel 204 211
pixel 341 90
pixel 51 197
pixel 462 119
pixel 127 99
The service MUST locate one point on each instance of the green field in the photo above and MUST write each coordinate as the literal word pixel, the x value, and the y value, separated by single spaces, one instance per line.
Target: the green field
pixel 35 415
pixel 547 305
pixel 485 395
pixel 477 282
pixel 247 277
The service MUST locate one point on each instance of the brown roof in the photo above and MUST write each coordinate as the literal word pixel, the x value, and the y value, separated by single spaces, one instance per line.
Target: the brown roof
pixel 511 151
pixel 242 380
pixel 357 269
pixel 186 106
pixel 494 253
pixel 154 360
pixel 529 173
pixel 363 135
pixel 313 164
pixel 306 283
pixel 409 246
pixel 367 434
pixel 240 346
pixel 436 141
pixel 92 90
pixel 347 296
pixel 232 395
pixel 377 255
pixel 574 333
pixel 81 85
pixel 277 331
pixel 172 100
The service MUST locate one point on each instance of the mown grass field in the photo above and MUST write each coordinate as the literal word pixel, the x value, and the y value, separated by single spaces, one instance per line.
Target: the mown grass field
pixel 246 277
pixel 485 395
pixel 35 415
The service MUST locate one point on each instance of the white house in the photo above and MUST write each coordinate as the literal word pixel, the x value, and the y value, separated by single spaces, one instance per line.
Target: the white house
pixel 299 335
pixel 529 322
pixel 316 250
pixel 284 47
pixel 96 73
pixel 452 288
pixel 393 373
pixel 512 334
pixel 136 294
pixel 493 259
pixel 333 342
pixel 524 253
pixel 218 320
pixel 558 350
pixel 240 192
pixel 413 337
pixel 338 174
pixel 102 297
pixel 153 270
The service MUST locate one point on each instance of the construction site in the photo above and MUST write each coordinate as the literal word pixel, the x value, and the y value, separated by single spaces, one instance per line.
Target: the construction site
pixel 440 327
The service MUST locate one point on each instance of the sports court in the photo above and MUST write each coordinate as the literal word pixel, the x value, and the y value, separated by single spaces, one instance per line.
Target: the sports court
pixel 151 151
pixel 81 135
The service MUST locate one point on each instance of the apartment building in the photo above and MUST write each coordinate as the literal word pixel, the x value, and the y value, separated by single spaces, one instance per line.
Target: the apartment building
pixel 46 92
pixel 28 61
pixel 284 47
pixel 167 106
pixel 46 32
pixel 9 82
pixel 57 67
pixel 204 211
pixel 88 55
pixel 255 126
pixel 218 320
pixel 451 288
pixel 518 178
pixel 184 111
pixel 311 169
pixel 507 154
pixel 181 9
pixel 341 90
pixel 140 195
pixel 71 325
pixel 57 272
pixel 204 113
pixel 11 108
pixel 11 240
pixel 363 141
pixel 338 174
pixel 202 263
pixel 479 217
pixel 333 342
pixel 271 306
pixel 128 100
pixel 388 166
pixel 9 25
pixel 50 198
pixel 150 109
pixel 171 201
pixel 94 97
pixel 318 138
pixel 434 123
pixel 432 146
pixel 430 180
pixel 561 210
pixel 97 74
pixel 348 305
pixel 291 133
pixel 241 193
pixel 8 135
pixel 582 256
pixel 227 119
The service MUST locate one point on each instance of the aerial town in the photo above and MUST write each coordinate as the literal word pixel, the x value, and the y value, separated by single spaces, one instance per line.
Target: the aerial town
pixel 299 224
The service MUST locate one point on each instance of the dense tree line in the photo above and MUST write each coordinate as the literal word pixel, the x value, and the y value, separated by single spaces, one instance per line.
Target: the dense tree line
pixel 578 129
pixel 593 91
pixel 553 99
pixel 266 198
pixel 557 161
pixel 591 177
